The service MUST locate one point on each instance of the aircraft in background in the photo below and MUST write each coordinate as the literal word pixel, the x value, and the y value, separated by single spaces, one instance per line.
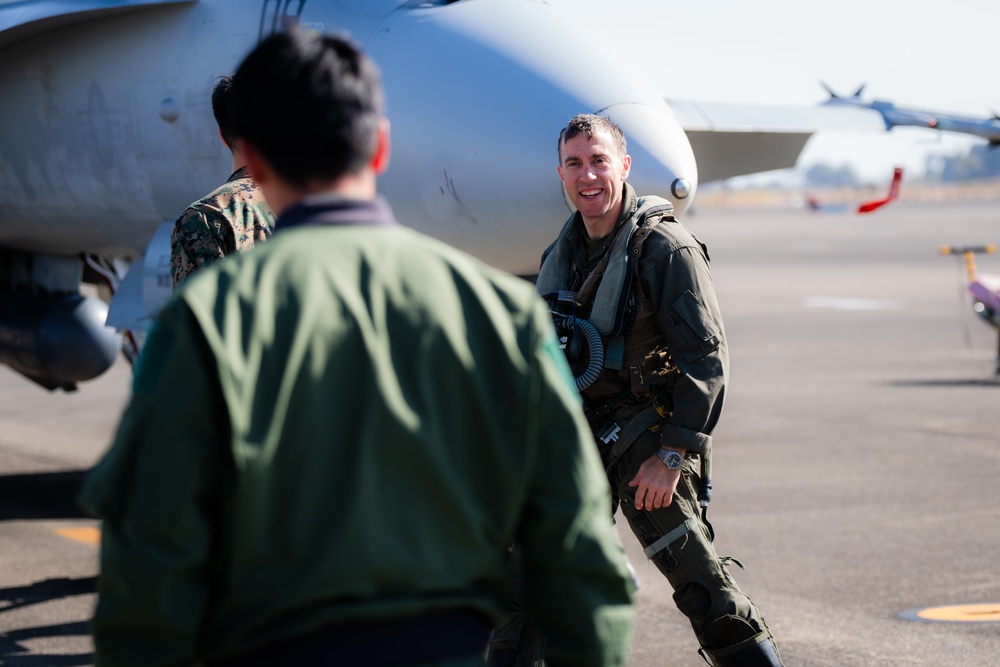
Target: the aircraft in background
pixel 865 207
pixel 897 179
pixel 893 116
pixel 984 288
pixel 106 135
pixel 737 139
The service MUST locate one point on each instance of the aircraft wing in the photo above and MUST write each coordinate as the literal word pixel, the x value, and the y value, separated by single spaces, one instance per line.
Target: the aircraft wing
pixel 737 139
pixel 21 19
pixel 733 139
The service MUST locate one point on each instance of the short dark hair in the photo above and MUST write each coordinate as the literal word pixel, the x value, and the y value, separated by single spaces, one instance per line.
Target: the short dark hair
pixel 222 109
pixel 310 104
pixel 589 123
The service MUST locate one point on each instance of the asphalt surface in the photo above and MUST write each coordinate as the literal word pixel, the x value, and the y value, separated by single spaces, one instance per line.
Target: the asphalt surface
pixel 856 465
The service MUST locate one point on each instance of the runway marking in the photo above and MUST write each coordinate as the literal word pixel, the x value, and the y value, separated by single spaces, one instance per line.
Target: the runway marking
pixel 87 535
pixel 845 303
pixel 962 613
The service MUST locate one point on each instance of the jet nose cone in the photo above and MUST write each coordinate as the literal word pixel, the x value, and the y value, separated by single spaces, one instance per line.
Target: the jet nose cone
pixel 662 160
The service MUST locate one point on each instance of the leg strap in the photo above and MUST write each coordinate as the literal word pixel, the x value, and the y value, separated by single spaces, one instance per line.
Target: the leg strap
pixel 671 537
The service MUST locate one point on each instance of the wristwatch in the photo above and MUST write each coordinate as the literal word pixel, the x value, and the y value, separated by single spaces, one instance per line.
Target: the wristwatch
pixel 670 458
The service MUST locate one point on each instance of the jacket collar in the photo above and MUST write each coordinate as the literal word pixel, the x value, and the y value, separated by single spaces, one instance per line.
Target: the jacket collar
pixel 332 210
pixel 242 172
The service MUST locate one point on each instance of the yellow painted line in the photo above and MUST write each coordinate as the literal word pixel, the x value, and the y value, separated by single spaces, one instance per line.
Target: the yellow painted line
pixel 961 613
pixel 87 535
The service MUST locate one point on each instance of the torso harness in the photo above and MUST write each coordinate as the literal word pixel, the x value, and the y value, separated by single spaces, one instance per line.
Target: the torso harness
pixel 608 308
pixel 628 378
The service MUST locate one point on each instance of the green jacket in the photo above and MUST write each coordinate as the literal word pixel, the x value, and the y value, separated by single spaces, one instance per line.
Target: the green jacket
pixel 350 422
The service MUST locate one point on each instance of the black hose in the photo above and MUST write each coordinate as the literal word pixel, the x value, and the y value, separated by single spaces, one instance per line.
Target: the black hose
pixel 595 348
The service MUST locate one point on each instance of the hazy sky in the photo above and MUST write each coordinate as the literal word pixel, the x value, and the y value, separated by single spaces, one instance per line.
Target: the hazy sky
pixel 937 56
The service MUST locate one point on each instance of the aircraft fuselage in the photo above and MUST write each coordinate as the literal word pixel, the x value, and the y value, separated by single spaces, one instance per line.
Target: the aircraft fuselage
pixel 106 128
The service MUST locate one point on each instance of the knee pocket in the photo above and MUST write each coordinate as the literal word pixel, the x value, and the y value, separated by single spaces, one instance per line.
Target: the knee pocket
pixel 705 603
pixel 693 599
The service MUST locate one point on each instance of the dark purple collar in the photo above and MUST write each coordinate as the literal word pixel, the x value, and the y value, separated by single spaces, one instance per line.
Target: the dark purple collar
pixel 333 210
pixel 242 172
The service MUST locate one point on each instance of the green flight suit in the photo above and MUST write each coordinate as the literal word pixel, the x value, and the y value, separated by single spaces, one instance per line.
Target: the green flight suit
pixel 671 376
pixel 350 422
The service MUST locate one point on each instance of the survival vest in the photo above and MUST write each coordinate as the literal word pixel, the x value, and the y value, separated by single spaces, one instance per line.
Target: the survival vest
pixel 611 298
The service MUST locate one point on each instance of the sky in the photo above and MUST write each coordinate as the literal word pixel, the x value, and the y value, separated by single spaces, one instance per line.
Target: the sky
pixel 934 56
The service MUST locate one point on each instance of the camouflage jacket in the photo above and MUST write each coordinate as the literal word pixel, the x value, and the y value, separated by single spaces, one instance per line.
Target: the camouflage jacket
pixel 230 219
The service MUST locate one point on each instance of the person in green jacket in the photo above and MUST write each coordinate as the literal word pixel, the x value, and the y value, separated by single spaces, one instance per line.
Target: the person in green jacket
pixel 333 439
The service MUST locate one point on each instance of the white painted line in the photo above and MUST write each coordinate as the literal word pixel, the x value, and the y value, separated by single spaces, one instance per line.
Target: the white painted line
pixel 847 303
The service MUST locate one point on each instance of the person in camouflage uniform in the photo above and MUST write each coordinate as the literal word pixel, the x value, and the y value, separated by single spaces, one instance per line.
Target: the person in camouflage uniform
pixel 232 218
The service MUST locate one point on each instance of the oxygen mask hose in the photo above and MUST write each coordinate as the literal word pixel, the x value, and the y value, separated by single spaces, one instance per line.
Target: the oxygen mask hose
pixel 571 325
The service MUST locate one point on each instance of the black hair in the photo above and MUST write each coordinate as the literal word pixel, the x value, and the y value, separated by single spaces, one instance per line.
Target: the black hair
pixel 222 109
pixel 310 104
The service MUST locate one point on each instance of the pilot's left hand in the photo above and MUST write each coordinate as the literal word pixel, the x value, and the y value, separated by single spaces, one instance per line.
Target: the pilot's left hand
pixel 656 483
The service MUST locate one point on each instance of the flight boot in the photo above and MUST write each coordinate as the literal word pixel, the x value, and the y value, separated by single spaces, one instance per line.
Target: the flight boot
pixel 758 651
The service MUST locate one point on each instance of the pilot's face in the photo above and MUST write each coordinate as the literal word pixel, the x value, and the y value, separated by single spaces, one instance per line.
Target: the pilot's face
pixel 593 171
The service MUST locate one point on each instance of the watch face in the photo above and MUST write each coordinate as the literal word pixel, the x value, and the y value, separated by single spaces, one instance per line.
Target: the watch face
pixel 672 459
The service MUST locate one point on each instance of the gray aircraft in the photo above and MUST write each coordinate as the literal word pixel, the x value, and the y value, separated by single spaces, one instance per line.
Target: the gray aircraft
pixel 106 135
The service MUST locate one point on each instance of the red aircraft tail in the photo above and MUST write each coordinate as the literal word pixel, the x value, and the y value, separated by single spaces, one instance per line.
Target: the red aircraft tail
pixel 897 179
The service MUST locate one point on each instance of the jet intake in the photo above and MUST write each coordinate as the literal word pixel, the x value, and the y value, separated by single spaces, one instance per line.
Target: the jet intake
pixel 56 339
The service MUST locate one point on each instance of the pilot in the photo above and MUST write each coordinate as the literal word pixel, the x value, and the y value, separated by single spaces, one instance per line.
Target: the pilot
pixel 653 377
pixel 232 218
pixel 332 439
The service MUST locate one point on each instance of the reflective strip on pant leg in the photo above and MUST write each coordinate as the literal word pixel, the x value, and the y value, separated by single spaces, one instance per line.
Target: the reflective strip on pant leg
pixel 671 537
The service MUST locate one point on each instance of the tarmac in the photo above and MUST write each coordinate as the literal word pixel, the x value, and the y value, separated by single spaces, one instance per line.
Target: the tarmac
pixel 856 463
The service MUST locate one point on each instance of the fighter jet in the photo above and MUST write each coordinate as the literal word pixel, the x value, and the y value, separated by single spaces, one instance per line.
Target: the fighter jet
pixel 106 135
